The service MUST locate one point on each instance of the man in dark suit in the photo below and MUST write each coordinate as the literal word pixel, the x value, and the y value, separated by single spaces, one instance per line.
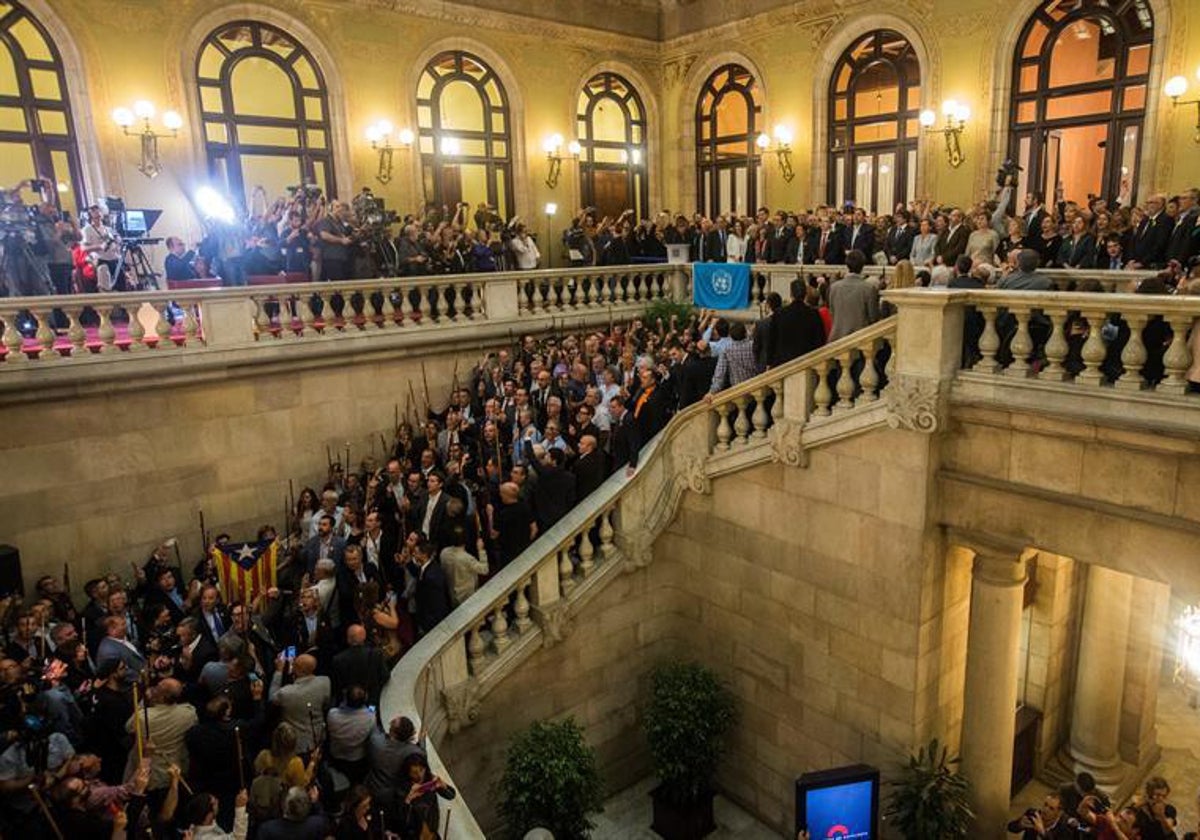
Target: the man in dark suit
pixel 797 328
pixel 590 468
pixel 311 632
pixel 379 545
pixel 1032 217
pixel 707 245
pixel 432 588
pixel 197 651
pixel 620 434
pixel 650 413
pixel 763 329
pixel 213 617
pixel 952 243
pixel 352 575
pixel 1153 236
pixel 781 237
pixel 1184 243
pixel 860 235
pixel 897 245
pixel 831 246
pixel 554 492
pixel 325 545
pixel 691 374
pixel 359 664
pixel 163 590
pixel 431 518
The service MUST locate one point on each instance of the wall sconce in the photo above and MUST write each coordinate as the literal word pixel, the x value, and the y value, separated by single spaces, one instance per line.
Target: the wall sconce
pixel 1177 87
pixel 956 115
pixel 782 149
pixel 144 110
pixel 553 146
pixel 380 135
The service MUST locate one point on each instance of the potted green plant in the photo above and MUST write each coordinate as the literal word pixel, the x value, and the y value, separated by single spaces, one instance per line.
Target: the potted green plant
pixel 689 713
pixel 550 781
pixel 929 801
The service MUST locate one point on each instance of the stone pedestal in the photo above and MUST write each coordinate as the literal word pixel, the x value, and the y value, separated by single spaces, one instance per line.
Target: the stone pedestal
pixel 1096 712
pixel 990 696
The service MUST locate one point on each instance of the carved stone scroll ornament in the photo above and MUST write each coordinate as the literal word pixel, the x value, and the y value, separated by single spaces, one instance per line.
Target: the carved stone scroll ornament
pixel 786 447
pixel 914 403
pixel 554 620
pixel 462 704
pixel 637 544
pixel 693 475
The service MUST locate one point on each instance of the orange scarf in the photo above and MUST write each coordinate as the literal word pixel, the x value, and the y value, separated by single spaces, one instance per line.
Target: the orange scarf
pixel 641 400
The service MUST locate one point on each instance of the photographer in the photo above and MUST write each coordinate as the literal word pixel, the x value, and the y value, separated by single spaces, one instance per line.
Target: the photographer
pixel 413 260
pixel 102 245
pixel 1045 823
pixel 180 262
pixel 55 232
pixel 336 237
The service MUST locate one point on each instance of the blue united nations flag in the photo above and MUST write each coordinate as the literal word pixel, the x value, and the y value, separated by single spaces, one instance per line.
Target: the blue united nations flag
pixel 721 285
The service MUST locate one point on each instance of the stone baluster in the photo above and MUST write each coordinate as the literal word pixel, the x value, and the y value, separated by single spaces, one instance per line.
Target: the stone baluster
pixel 191 328
pixel 822 395
pixel 414 299
pixel 308 315
pixel 500 628
pixel 1093 350
pixel 1178 358
pixel 387 312
pixel 1133 356
pixel 1021 345
pixel 777 406
pixel 724 430
pixel 761 418
pixel 521 608
pixel 105 331
pixel 1056 348
pixel 989 341
pixel 13 339
pixel 478 312
pixel 845 383
pixel 889 369
pixel 583 295
pixel 475 649
pixel 741 425
pixel 135 330
pixel 606 534
pixel 868 380
pixel 586 552
pixel 460 302
pixel 75 332
pixel 44 335
pixel 162 328
pixel 566 572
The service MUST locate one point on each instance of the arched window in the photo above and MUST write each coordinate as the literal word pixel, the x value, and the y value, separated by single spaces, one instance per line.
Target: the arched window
pixel 37 131
pixel 464 134
pixel 874 105
pixel 612 139
pixel 728 168
pixel 1080 76
pixel 265 111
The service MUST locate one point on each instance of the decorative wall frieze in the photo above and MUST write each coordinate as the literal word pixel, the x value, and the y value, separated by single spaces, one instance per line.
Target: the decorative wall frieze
pixel 462 702
pixel 786 445
pixel 554 620
pixel 914 403
pixel 675 70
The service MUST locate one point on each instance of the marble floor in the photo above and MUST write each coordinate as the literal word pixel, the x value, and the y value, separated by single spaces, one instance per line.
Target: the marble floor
pixel 627 816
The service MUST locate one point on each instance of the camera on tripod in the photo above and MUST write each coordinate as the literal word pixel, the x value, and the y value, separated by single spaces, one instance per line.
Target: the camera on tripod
pixel 375 215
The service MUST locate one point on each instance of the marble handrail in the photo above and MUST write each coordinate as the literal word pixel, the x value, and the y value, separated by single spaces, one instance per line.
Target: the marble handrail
pixel 54 331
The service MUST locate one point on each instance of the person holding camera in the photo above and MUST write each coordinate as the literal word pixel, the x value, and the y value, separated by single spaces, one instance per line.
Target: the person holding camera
pixel 336 237
pixel 1045 823
pixel 102 245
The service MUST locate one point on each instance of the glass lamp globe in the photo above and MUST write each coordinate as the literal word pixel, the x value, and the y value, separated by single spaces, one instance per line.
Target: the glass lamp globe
pixel 1175 87
pixel 928 117
pixel 172 120
pixel 123 117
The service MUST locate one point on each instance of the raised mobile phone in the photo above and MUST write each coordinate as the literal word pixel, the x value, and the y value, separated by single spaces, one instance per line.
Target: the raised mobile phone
pixel 290 653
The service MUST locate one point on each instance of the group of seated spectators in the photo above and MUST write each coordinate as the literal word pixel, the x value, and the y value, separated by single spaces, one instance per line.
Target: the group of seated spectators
pixel 261 718
pixel 1080 810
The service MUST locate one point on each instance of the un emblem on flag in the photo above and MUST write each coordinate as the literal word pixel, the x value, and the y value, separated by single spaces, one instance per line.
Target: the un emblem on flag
pixel 722 282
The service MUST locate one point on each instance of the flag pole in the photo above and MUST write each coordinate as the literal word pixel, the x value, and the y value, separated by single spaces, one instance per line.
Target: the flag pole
pixel 45 811
pixel 137 725
pixel 237 735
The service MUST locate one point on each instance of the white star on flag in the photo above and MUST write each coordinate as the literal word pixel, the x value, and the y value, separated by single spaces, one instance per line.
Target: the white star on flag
pixel 247 553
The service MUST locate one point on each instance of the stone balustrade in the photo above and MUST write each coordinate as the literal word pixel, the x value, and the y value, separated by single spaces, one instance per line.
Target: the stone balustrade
pixel 56 331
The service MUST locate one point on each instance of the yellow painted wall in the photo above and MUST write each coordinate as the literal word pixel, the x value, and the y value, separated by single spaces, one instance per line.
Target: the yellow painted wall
pixel 133 49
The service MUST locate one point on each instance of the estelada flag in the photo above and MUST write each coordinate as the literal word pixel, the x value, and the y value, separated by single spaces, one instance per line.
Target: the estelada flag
pixel 245 569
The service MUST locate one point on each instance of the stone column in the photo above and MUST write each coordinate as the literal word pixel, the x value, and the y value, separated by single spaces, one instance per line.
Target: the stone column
pixel 1096 709
pixel 990 695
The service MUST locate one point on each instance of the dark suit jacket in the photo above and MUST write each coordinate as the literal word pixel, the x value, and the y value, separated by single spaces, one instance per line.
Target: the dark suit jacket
pixel 778 245
pixel 554 493
pixel 835 248
pixel 1151 240
pixel 1183 243
pixel 1033 223
pixel 432 595
pixel 347 592
pixel 204 652
pixel 312 552
pixel 1078 254
pixel 692 379
pixel 798 329
pixel 156 596
pixel 437 520
pixel 620 442
pixel 223 613
pixel 359 665
pixel 590 471
pixel 864 241
pixel 648 422
pixel 708 247
pixel 898 243
pixel 951 247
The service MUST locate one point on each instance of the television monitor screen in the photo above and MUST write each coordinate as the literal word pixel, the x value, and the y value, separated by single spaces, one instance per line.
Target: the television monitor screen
pixel 840 804
pixel 135 223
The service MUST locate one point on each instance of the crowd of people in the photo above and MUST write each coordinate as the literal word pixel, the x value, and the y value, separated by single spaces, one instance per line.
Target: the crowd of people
pixel 1079 810
pixel 262 716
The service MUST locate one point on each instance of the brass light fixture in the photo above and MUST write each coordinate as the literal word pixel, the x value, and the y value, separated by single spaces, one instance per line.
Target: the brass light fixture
pixel 782 149
pixel 957 115
pixel 380 135
pixel 144 111
pixel 553 145
pixel 1175 88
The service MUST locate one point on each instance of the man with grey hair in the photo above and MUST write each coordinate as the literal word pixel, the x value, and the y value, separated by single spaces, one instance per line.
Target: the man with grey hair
pixel 413 259
pixel 1026 277
pixel 303 703
pixel 298 821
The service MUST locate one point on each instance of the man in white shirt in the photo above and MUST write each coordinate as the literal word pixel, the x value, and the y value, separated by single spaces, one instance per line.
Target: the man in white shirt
pixel 461 568
pixel 525 249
